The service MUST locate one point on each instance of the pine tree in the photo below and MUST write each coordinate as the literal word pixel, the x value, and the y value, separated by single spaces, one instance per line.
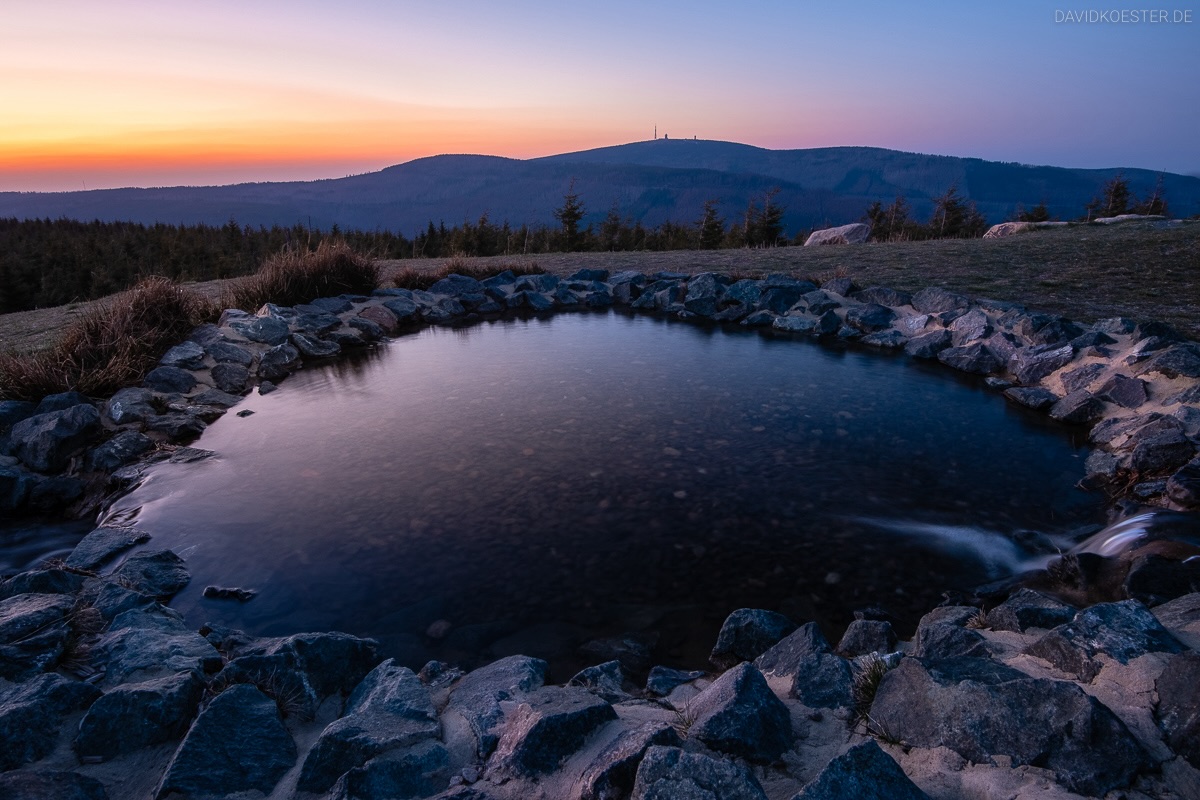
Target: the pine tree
pixel 569 215
pixel 712 227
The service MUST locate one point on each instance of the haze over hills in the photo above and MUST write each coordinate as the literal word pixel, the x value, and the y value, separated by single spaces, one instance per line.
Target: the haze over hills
pixel 650 181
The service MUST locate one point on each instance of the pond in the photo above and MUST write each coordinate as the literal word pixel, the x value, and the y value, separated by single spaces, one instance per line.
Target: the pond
pixel 534 485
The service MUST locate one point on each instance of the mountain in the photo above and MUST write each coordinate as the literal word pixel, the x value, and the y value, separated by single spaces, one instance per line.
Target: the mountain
pixel 652 181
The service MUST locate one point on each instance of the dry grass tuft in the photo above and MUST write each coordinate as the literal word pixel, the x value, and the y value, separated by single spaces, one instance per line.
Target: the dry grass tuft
pixel 110 346
pixel 301 276
pixel 409 278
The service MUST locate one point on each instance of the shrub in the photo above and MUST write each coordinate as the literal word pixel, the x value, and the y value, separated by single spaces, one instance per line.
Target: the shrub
pixel 409 278
pixel 111 345
pixel 299 276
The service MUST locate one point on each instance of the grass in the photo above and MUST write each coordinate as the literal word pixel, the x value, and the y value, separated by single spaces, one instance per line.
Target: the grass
pixel 109 346
pixel 868 672
pixel 301 276
pixel 412 277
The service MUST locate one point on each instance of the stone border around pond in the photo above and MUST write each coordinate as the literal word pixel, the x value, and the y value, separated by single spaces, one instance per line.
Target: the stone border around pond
pixel 1136 384
pixel 964 707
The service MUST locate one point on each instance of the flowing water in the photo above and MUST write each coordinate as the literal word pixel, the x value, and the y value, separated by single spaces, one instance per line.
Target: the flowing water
pixel 529 486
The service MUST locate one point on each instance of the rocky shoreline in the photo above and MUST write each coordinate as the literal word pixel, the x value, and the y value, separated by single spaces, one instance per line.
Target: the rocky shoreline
pixel 106 692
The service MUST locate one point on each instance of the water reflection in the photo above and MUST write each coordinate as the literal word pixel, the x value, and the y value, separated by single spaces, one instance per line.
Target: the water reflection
pixel 541 482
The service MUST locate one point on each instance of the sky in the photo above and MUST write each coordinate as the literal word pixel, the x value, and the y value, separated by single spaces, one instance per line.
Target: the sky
pixel 131 93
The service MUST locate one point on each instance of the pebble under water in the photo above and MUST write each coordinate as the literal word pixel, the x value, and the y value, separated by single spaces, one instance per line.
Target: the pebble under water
pixel 531 486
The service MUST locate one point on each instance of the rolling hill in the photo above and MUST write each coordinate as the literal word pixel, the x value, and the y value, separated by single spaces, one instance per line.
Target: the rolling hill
pixel 650 181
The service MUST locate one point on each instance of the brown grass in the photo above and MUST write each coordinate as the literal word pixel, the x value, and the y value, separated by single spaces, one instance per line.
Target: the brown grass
pixel 423 277
pixel 301 276
pixel 109 346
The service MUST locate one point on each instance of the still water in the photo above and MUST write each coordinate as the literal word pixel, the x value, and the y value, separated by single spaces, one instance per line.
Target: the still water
pixel 529 486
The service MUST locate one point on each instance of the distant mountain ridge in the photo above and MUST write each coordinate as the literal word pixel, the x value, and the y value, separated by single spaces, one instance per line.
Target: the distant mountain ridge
pixel 650 181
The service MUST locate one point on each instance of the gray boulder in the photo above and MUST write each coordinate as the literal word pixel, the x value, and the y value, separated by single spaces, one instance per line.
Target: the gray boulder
pixel 478 695
pixel 61 401
pixel 185 355
pixel 865 636
pixel 311 347
pixel 612 774
pixel 864 772
pixel 1121 631
pixel 148 642
pixel 232 378
pixel 133 404
pixel 668 773
pixel 888 340
pixel 41 581
pixel 928 345
pixel 1178 709
pixel 1028 609
pixel 933 300
pixel 1175 362
pixel 1082 378
pixel 229 353
pixel 102 544
pixel 854 233
pixel 603 680
pixel 32 714
pixel 738 714
pixel 940 640
pixel 118 451
pixel 137 715
pixel 663 680
pixel 548 726
pixel 159 574
pixel 746 634
pixel 870 318
pixel 971 327
pixel 33 630
pixel 1031 364
pixel 377 320
pixel 237 744
pixel 1164 450
pixel 778 299
pixel 980 708
pixel 15 485
pixel 1124 391
pixel 1056 331
pixel 820 679
pixel 13 411
pixel 264 330
pixel 278 362
pixel 975 358
pixel 417 771
pixel 1183 488
pixel 883 296
pixel 1035 397
pixel 50 785
pixel 46 442
pixel 170 380
pixel 404 309
pixel 1079 408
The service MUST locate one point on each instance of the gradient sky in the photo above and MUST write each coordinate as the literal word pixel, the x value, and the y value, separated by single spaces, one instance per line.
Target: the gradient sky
pixel 131 93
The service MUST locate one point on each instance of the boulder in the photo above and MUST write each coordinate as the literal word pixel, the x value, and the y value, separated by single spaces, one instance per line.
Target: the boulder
pixel 118 451
pixel 32 714
pixel 1031 364
pixel 668 773
pixel 820 302
pixel 745 292
pixel 889 339
pixel 1163 451
pixel 941 640
pixel 33 630
pixel 1003 229
pixel 613 772
pixel 102 544
pixel 55 494
pixel 61 401
pixel 928 345
pixel 870 318
pixel 159 574
pixel 585 274
pixel 311 347
pixel 1078 408
pixel 232 378
pixel 1083 377
pixel 133 404
pixel 1154 579
pixel 1028 609
pixel 971 327
pixel 15 486
pixel 478 695
pixel 865 636
pixel 1175 362
pixel 186 355
pixel 975 358
pixel 746 634
pixel 883 296
pixel 981 709
pixel 863 772
pixel 664 680
pixel 147 642
pixel 739 715
pixel 237 744
pixel 377 318
pixel 548 726
pixel 820 679
pixel 229 353
pixel 50 785
pixel 170 380
pixel 778 299
pixel 278 362
pixel 933 300
pixel 603 680
pixel 1056 331
pixel 417 771
pixel 1036 397
pixel 1183 488
pixel 264 330
pixel 41 581
pixel 1178 709
pixel 854 233
pixel 137 715
pixel 1120 631
pixel 794 324
pixel 177 426
pixel 46 442
pixel 840 286
pixel 13 411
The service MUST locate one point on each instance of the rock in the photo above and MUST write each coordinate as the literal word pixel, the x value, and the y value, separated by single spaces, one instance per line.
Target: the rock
pixel 160 574
pixel 1178 709
pixel 264 330
pixel 542 282
pixel 129 405
pixel 1081 378
pixel 865 636
pixel 177 426
pixel 1035 397
pixel 738 714
pixel 55 494
pixel 455 284
pixel 975 358
pixel 32 714
pixel 778 299
pixel 870 318
pixel 170 380
pixel 478 695
pixel 633 651
pixel 1031 364
pixel 137 715
pixel 278 362
pixel 418 771
pixel 41 581
pixel 746 634
pixel 33 630
pixel 821 302
pixel 933 300
pixel 820 679
pixel 863 772
pixel 376 319
pixel 118 451
pixel 61 401
pixel 854 233
pixel 883 296
pixel 391 709
pixel 1027 609
pixel 1175 362
pixel 50 785
pixel 612 774
pixel 928 345
pixel 1120 631
pixel 550 724
pixel 761 319
pixel 981 709
pixel 971 327
pixel 597 275
pixel 603 680
pixel 232 378
pixel 1056 331
pixel 404 309
pixel 148 642
pixel 839 286
pixel 1154 579
pixel 1004 229
pixel 1183 488
pixel 663 680
pixel 668 773
pixel 1078 408
pixel 311 348
pixel 794 324
pixel 229 353
pixel 330 305
pixel 703 292
pixel 745 292
pixel 46 442
pixel 13 411
pixel 102 544
pixel 940 640
pixel 238 743
pixel 186 355
pixel 1164 451
pixel 889 340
